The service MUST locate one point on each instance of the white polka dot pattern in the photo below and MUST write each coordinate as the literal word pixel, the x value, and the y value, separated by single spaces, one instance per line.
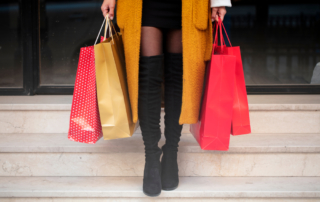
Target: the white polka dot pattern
pixel 85 125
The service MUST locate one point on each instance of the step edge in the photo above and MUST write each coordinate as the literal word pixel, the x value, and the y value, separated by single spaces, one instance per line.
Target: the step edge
pixel 135 189
pixel 252 107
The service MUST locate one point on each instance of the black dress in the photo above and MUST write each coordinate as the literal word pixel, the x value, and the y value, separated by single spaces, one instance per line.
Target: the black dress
pixel 162 13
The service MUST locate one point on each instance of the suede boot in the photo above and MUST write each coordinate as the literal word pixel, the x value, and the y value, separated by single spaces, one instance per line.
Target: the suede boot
pixel 149 109
pixel 173 100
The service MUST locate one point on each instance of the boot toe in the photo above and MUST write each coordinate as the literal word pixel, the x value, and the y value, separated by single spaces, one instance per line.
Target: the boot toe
pixel 152 190
pixel 170 184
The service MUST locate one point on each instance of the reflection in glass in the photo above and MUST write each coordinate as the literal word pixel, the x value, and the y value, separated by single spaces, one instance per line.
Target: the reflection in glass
pixel 65 27
pixel 11 74
pixel 280 44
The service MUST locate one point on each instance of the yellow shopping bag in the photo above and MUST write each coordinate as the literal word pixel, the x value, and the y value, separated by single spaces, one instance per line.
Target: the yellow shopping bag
pixel 112 91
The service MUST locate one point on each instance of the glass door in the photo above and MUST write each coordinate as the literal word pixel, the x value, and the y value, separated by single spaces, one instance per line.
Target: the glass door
pixel 11 48
pixel 280 44
pixel 40 42
pixel 64 27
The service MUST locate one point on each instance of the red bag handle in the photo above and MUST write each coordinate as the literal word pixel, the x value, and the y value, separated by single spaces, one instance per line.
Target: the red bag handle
pixel 226 34
pixel 216 34
pixel 219 24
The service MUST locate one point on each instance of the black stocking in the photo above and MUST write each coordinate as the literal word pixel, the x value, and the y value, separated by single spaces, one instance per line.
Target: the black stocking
pixel 151 41
pixel 174 41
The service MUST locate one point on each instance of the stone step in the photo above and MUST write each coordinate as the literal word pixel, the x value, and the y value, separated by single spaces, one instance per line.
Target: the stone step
pixel 250 143
pixel 249 155
pixel 268 114
pixel 122 188
pixel 164 199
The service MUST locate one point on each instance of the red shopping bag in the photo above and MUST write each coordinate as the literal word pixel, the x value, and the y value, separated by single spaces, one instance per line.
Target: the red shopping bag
pixel 85 123
pixel 212 131
pixel 240 119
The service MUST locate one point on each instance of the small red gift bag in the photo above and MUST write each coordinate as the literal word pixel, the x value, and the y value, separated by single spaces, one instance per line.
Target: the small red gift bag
pixel 212 131
pixel 85 123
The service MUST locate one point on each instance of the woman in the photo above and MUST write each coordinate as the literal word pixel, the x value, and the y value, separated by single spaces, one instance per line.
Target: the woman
pixel 178 35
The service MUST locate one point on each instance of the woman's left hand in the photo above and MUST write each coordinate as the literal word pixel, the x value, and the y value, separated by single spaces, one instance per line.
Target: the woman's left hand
pixel 218 11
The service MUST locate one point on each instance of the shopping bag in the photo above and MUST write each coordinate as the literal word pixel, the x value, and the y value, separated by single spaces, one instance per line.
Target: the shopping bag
pixel 112 90
pixel 85 123
pixel 212 131
pixel 240 119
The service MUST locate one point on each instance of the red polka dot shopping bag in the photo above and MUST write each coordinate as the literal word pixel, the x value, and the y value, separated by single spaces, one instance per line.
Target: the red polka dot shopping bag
pixel 85 123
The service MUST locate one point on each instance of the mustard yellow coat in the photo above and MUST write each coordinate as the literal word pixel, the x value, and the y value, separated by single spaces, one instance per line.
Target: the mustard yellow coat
pixel 196 44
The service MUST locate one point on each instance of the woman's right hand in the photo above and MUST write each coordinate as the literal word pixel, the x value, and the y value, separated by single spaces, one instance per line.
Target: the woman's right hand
pixel 108 8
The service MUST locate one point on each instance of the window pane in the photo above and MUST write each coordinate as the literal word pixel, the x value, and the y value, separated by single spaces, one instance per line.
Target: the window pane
pixel 11 74
pixel 280 44
pixel 65 27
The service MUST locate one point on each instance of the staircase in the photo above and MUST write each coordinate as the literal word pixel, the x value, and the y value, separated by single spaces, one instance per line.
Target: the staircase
pixel 279 161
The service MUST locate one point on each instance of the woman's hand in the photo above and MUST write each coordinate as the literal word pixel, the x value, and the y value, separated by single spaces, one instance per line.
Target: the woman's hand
pixel 108 8
pixel 218 11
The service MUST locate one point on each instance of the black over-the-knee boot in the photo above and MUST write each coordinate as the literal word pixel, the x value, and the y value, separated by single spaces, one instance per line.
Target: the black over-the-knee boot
pixel 149 109
pixel 173 99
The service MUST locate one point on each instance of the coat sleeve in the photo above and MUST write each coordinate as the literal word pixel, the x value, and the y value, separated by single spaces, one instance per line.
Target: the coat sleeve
pixel 218 3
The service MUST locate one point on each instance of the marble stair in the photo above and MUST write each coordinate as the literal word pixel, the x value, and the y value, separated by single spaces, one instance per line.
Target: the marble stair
pixel 279 161
pixel 258 155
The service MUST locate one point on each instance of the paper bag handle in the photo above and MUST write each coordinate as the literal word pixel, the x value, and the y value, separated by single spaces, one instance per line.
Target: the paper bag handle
pixel 101 29
pixel 108 26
